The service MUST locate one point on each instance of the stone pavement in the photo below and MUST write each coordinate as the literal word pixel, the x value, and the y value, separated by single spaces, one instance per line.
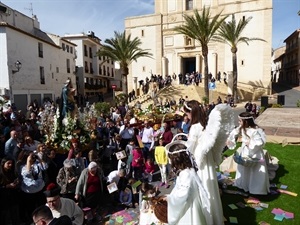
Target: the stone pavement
pixel 281 124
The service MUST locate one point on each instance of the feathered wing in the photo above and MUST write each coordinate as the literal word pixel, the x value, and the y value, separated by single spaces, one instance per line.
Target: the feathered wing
pixel 220 124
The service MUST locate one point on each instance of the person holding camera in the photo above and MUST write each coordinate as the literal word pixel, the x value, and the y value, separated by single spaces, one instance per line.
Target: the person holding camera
pixel 32 182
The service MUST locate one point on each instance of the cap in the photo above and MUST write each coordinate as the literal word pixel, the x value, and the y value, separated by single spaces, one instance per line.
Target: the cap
pixel 52 190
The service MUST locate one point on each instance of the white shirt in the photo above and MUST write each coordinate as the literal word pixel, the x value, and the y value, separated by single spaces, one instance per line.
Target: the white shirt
pixel 126 132
pixel 147 136
pixel 113 177
pixel 70 209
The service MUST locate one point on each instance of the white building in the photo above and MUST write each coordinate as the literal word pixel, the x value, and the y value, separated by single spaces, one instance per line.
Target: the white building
pixel 175 53
pixel 47 60
pixel 95 75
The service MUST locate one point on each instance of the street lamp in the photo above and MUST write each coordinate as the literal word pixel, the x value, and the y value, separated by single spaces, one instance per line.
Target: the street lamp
pixel 18 66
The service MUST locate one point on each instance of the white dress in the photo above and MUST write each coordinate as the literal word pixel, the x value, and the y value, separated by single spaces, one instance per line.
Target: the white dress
pixel 252 179
pixel 207 174
pixel 184 202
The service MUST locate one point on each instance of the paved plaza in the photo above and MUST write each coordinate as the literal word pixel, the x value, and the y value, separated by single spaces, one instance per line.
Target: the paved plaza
pixel 281 124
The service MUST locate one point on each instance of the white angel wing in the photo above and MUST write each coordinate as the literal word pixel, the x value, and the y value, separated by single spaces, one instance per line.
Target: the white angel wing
pixel 220 124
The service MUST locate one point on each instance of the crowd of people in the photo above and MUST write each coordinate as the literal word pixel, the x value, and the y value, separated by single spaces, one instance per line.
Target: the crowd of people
pixel 78 184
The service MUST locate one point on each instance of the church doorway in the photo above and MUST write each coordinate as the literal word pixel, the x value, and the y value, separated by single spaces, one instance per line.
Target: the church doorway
pixel 189 65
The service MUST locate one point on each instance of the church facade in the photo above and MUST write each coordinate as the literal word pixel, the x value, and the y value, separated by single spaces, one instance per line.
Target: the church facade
pixel 177 53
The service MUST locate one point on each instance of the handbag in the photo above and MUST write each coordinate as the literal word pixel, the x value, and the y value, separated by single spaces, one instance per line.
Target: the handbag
pixel 244 160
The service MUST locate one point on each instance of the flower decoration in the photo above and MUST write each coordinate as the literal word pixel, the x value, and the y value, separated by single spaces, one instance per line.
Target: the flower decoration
pixel 58 134
pixel 157 114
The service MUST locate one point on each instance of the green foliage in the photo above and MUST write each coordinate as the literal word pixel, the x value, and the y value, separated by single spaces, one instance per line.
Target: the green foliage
pixel 205 99
pixel 276 106
pixel 124 50
pixel 102 107
pixel 203 28
pixel 58 135
pixel 287 174
pixel 121 98
pixel 298 103
pixel 261 110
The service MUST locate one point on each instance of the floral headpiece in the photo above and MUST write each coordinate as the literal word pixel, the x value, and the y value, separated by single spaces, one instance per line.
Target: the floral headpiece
pixel 245 117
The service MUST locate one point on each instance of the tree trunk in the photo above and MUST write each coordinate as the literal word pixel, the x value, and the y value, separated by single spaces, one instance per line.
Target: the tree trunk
pixel 234 76
pixel 206 90
pixel 124 74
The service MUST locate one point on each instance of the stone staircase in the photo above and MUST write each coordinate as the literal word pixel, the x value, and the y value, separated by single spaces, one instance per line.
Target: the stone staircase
pixel 175 91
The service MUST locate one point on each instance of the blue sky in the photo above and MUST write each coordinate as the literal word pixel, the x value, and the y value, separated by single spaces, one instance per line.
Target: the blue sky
pixel 106 16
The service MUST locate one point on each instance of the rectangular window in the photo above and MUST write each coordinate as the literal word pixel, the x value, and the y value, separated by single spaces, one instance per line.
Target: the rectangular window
pixel 91 53
pixel 142 33
pixel 85 50
pixel 71 49
pixel 40 49
pixel 63 46
pixel 189 4
pixel 112 72
pixel 86 67
pixel 57 69
pixel 108 73
pixel 144 69
pixel 42 75
pixel 91 68
pixel 68 66
pixel 67 47
pixel 100 70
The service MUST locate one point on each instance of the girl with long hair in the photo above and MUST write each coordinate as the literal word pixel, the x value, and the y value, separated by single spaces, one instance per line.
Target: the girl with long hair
pixel 206 166
pixel 9 189
pixel 254 179
pixel 188 200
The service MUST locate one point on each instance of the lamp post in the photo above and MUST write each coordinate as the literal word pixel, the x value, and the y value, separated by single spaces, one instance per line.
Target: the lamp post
pixel 18 66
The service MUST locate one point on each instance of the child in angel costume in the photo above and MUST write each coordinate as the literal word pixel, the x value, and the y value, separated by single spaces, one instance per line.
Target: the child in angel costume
pixel 206 140
pixel 188 199
pixel 254 179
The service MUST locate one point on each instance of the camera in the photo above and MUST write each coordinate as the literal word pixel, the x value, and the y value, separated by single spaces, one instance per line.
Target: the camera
pixel 35 156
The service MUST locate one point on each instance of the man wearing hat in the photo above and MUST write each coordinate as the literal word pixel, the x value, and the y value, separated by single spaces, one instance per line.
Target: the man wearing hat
pixel 62 206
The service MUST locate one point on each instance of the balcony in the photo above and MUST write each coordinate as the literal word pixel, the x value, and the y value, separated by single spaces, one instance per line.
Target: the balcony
pixel 93 86
pixel 291 64
pixel 291 48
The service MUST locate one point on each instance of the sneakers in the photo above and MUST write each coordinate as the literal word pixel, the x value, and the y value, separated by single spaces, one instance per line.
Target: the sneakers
pixel 167 185
pixel 162 184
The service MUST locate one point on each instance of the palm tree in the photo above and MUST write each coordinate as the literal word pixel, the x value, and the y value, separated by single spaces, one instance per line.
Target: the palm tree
pixel 231 33
pixel 122 49
pixel 203 29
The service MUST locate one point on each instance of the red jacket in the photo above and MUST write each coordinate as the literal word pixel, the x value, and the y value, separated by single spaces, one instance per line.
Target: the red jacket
pixel 137 158
pixel 167 137
pixel 149 167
